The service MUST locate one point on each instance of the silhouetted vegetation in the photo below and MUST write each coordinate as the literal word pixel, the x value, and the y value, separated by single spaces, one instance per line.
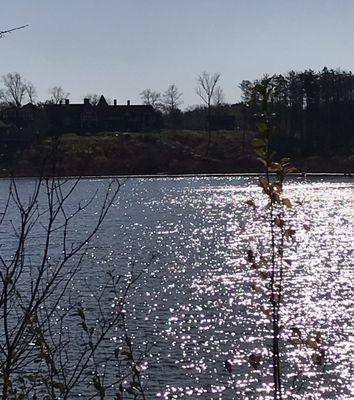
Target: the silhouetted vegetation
pixel 312 113
pixel 271 268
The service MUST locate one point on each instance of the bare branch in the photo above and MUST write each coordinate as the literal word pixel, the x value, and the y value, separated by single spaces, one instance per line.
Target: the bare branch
pixel 151 98
pixel 38 318
pixel 206 86
pixel 205 90
pixel 5 32
pixel 218 96
pixel 58 95
pixel 172 98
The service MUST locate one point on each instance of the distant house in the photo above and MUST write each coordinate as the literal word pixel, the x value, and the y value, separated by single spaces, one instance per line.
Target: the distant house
pixel 81 118
pixel 28 121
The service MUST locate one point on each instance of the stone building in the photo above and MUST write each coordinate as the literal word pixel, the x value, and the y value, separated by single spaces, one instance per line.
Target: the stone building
pixel 82 118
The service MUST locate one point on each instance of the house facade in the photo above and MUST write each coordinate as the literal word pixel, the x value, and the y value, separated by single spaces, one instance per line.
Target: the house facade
pixel 81 118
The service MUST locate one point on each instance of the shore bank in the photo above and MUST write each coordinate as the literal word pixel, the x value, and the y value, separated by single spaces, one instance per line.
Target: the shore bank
pixel 155 154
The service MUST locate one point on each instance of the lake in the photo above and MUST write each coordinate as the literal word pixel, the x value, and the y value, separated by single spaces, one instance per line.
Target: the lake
pixel 193 304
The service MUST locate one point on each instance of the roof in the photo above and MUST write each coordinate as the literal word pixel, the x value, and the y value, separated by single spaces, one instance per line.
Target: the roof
pixel 29 105
pixel 102 102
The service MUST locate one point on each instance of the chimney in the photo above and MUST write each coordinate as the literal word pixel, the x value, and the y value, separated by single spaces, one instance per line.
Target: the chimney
pixel 67 101
pixel 128 102
pixel 115 102
pixel 86 102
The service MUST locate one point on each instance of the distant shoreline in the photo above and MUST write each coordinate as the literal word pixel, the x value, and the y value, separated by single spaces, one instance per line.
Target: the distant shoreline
pixel 200 175
pixel 167 154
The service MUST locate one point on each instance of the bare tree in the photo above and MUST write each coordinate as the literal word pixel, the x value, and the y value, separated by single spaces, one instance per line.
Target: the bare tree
pixel 205 90
pixel 15 88
pixel 58 95
pixel 93 98
pixel 218 97
pixel 50 346
pixel 151 98
pixel 31 92
pixel 206 86
pixel 171 99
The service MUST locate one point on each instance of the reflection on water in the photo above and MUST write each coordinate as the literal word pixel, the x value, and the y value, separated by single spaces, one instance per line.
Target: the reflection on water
pixel 194 302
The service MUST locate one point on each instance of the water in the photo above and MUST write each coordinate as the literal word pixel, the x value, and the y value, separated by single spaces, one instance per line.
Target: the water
pixel 193 302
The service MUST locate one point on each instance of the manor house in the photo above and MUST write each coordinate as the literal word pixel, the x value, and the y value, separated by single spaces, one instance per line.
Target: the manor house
pixel 83 118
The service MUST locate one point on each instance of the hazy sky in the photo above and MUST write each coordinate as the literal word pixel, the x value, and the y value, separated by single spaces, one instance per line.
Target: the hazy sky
pixel 120 47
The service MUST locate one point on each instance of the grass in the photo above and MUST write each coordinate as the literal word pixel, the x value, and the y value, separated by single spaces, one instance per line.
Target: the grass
pixel 166 151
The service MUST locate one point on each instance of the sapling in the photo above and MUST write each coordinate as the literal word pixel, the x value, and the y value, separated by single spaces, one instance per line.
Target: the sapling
pixel 270 264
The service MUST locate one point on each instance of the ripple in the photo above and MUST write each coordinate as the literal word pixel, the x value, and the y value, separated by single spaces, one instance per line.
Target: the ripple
pixel 194 302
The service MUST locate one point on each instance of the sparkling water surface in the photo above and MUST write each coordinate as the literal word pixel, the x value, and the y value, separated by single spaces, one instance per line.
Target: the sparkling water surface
pixel 194 304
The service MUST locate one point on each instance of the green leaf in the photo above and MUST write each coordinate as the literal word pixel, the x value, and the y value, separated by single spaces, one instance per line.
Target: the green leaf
pixel 255 287
pixel 250 256
pixel 264 274
pixel 251 203
pixel 265 311
pixel 275 197
pixel 264 184
pixel 255 360
pixel 263 260
pixel 286 202
pixel 277 185
pixel 255 266
pixel 262 126
pixel 257 142
pixel 290 170
pixel 275 167
pixel 260 151
pixel 278 222
pixel 318 337
pixel 311 343
pixel 289 233
pixel 80 312
pixel 262 160
pixel 98 386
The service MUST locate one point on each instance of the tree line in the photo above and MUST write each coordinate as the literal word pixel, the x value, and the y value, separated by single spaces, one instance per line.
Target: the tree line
pixel 312 111
pixel 16 91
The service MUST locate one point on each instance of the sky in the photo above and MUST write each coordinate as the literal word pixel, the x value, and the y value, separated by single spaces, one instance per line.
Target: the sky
pixel 121 47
